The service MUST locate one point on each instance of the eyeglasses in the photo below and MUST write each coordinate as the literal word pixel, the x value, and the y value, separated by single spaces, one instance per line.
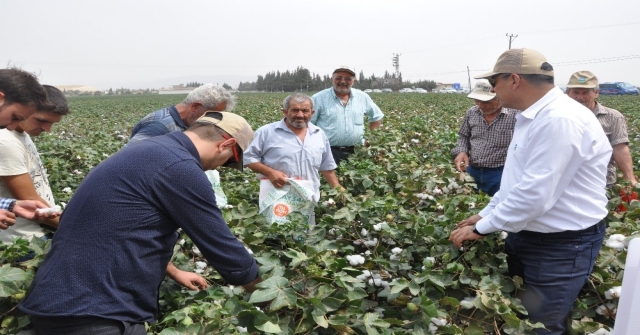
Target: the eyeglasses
pixel 492 79
pixel 236 157
pixel 298 110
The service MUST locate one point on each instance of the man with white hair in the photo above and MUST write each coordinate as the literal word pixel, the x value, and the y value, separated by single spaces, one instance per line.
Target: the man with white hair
pixel 583 88
pixel 208 97
pixel 483 138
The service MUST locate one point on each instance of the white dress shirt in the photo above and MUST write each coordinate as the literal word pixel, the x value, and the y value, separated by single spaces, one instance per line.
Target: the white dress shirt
pixel 555 172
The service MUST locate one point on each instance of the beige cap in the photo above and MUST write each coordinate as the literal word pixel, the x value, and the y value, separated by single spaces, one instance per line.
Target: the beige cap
pixel 234 125
pixel 520 61
pixel 583 79
pixel 345 69
pixel 482 91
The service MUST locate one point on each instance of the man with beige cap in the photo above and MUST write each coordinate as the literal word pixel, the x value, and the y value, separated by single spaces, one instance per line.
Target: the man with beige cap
pixel 117 234
pixel 340 113
pixel 483 138
pixel 583 88
pixel 552 197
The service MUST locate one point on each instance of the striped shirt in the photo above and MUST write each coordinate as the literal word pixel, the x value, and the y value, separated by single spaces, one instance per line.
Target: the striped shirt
pixel 614 125
pixel 344 125
pixel 486 144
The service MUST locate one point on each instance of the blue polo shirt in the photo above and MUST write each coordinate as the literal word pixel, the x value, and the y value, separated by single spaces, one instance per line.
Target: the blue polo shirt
pixel 344 125
pixel 117 234
pixel 157 123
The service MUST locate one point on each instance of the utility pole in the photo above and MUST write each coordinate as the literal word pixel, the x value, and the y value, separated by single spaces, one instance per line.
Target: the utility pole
pixel 511 38
pixel 469 76
pixel 396 64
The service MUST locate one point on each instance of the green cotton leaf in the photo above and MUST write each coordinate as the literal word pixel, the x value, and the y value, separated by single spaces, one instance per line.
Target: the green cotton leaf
pixel 267 263
pixel 428 307
pixel 356 294
pixel 170 331
pixel 344 213
pixel 275 289
pixel 331 304
pixel 269 327
pixel 399 285
pixel 368 321
pixel 319 318
pixel 296 256
pixel 10 278
pixel 414 288
pixel 366 182
pixel 474 330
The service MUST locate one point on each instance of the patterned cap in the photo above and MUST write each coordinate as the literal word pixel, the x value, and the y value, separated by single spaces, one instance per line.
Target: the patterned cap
pixel 482 91
pixel 345 69
pixel 583 79
pixel 520 61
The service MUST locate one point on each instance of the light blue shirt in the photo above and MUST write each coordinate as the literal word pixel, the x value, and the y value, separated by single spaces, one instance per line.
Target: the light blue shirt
pixel 344 125
pixel 277 147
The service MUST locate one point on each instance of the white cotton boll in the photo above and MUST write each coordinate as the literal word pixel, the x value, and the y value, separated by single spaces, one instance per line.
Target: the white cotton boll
pixel 371 243
pixel 604 309
pixel 63 204
pixel 355 259
pixel 430 259
pixel 467 303
pixel 617 237
pixel 472 205
pixel 241 329
pixel 440 207
pixel 228 206
pixel 246 182
pixel 377 227
pixel 66 190
pixel 249 250
pixel 364 232
pixel 367 253
pixel 415 140
pixel 357 242
pixel 201 265
pixel 433 328
pixel 331 202
pixel 394 257
pixel 181 242
pixel 439 322
pixel 614 244
pixel 503 235
pixel 418 134
pixel 199 271
pixel 613 293
pixel 396 250
pixel 196 251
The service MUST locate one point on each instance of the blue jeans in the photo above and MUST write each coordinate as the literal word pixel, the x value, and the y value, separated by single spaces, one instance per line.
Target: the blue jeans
pixel 487 179
pixel 554 267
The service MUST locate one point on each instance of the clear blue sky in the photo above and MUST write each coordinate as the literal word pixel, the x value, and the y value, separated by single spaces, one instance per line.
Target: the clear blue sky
pixel 127 43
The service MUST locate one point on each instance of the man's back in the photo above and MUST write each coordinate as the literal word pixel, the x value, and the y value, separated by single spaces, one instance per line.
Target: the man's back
pixel 158 123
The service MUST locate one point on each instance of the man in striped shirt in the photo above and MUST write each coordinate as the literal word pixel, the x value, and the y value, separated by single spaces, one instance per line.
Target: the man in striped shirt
pixel 340 113
pixel 483 138
pixel 583 87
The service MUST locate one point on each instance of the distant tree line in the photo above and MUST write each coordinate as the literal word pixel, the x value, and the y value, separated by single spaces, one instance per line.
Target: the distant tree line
pixel 301 79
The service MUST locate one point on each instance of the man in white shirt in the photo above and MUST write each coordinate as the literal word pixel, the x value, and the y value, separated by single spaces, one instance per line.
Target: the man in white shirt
pixel 552 196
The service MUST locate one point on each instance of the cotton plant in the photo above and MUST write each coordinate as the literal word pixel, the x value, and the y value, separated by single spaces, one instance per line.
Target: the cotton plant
pixel 613 293
pixel 608 310
pixel 616 241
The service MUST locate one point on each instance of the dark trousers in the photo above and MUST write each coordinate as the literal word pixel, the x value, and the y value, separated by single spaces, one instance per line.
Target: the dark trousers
pixel 89 325
pixel 340 155
pixel 554 267
pixel 487 179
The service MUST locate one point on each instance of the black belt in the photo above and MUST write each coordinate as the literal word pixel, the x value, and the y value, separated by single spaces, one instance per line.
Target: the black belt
pixel 350 149
pixel 598 226
pixel 486 169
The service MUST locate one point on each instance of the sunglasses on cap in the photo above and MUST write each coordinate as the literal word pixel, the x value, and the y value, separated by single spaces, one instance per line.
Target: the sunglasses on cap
pixel 236 155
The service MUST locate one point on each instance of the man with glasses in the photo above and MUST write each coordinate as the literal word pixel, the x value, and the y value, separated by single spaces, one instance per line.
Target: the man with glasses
pixel 483 138
pixel 552 197
pixel 583 88
pixel 118 232
pixel 293 148
pixel 208 97
pixel 340 110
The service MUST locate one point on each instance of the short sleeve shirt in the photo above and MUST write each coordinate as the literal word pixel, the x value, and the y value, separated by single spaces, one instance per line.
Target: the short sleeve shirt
pixel 614 125
pixel 344 125
pixel 19 155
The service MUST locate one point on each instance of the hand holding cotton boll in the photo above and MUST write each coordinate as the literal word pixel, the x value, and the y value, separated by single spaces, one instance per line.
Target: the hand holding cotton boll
pixel 55 210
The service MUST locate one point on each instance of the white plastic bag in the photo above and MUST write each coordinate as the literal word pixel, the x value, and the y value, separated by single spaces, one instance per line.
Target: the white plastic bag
pixel 277 203
pixel 214 179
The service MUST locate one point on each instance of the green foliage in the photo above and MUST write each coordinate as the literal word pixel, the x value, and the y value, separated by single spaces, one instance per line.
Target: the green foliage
pixel 402 192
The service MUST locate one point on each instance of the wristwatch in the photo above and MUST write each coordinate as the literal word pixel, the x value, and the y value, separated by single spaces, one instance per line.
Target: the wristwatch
pixel 11 205
pixel 475 231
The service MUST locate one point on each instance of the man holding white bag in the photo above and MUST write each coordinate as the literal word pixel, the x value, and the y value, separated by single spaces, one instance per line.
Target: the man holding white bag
pixel 293 149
